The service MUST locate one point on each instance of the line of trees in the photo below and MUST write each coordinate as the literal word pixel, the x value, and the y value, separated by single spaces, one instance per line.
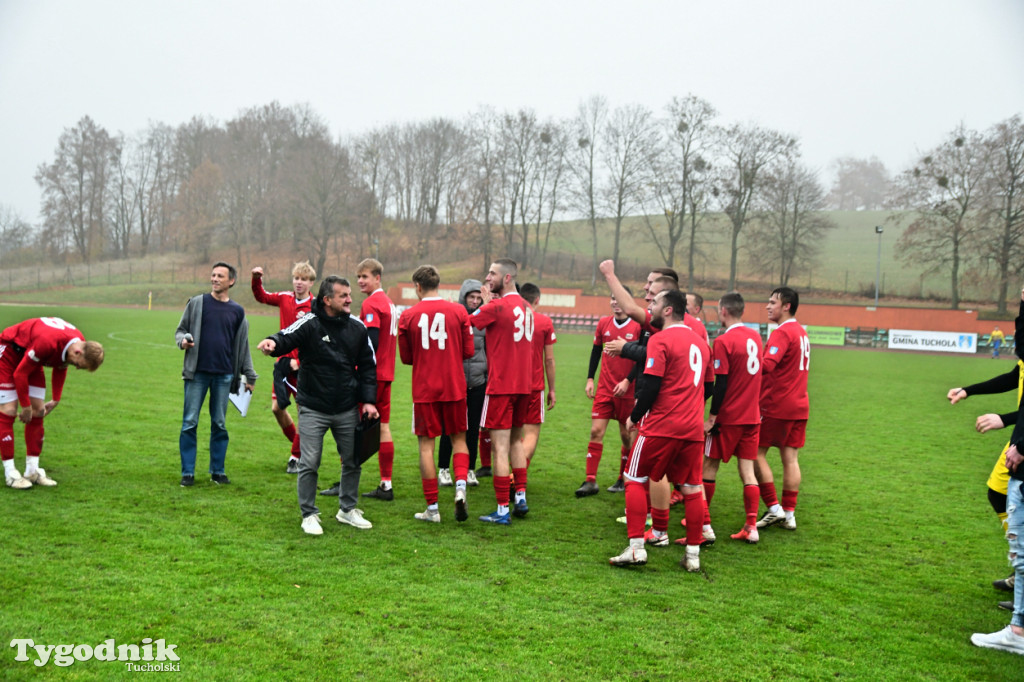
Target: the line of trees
pixel 502 182
pixel 964 200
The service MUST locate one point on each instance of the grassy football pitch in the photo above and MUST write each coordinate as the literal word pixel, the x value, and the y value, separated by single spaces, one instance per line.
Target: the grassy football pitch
pixel 886 577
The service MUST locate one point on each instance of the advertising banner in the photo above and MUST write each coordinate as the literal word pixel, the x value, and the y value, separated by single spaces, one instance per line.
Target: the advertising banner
pixel 826 336
pixel 946 342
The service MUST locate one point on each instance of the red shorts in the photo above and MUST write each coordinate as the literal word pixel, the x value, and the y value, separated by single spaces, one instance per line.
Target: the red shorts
pixel 735 439
pixel 535 409
pixel 655 457
pixel 439 418
pixel 782 433
pixel 9 361
pixel 384 401
pixel 610 407
pixel 504 411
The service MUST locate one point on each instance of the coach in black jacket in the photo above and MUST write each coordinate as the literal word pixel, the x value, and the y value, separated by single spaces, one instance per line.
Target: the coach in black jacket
pixel 337 371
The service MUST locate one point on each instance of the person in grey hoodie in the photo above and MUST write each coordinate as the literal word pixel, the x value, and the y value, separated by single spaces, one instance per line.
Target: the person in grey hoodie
pixel 475 369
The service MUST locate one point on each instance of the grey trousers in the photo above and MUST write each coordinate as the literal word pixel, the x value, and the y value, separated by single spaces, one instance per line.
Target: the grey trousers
pixel 313 426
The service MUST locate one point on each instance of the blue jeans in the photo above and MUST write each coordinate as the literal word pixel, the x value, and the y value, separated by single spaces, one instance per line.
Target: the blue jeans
pixel 219 386
pixel 1015 528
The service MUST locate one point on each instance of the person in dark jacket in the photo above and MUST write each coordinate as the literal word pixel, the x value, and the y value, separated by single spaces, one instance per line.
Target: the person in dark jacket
pixel 337 372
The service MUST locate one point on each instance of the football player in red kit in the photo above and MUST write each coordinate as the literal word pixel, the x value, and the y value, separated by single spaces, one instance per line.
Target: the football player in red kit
pixel 434 337
pixel 25 349
pixel 733 425
pixel 670 412
pixel 508 320
pixel 292 306
pixel 784 406
pixel 613 395
pixel 544 340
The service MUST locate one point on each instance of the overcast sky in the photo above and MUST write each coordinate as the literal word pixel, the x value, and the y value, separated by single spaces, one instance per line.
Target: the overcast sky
pixel 868 78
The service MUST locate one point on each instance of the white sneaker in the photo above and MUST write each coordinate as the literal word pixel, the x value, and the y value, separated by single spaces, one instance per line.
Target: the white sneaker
pixel 471 478
pixel 429 515
pixel 444 477
pixel 789 523
pixel 631 556
pixel 770 518
pixel 709 534
pixel 691 562
pixel 311 525
pixel 17 481
pixel 39 477
pixel 1004 640
pixel 650 521
pixel 353 517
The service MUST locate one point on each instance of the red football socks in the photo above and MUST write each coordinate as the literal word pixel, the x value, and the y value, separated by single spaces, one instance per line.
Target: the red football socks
pixel 290 432
pixel 501 489
pixel 386 459
pixel 694 509
pixel 484 448
pixel 636 509
pixel 624 459
pixel 34 437
pixel 751 499
pixel 430 490
pixel 768 494
pixel 520 476
pixel 659 520
pixel 6 437
pixel 594 451
pixel 460 465
pixel 789 500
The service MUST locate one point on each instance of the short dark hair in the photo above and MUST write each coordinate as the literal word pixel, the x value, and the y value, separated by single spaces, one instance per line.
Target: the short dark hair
pixel 531 292
pixel 676 300
pixel 668 284
pixel 628 290
pixel 232 273
pixel 787 295
pixel 667 272
pixel 327 286
pixel 697 297
pixel 508 266
pixel 427 277
pixel 733 304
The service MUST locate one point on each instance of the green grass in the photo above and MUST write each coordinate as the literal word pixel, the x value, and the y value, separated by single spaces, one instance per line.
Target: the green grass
pixel 886 577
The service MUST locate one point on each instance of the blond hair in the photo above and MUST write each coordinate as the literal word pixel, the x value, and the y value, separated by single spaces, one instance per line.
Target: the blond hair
pixel 371 265
pixel 304 270
pixel 93 355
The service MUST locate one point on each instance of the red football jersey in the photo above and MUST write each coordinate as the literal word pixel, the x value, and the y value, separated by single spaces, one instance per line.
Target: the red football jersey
pixel 509 343
pixel 786 362
pixel 290 308
pixel 543 335
pixel 434 337
pixel 378 312
pixel 614 368
pixel 737 355
pixel 42 341
pixel 683 361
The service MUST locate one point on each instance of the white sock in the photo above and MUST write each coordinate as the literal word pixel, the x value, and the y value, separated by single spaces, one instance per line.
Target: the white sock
pixel 707 526
pixel 31 465
pixel 776 509
pixel 432 507
pixel 790 514
pixel 386 485
pixel 9 466
pixel 659 533
pixel 520 496
pixel 636 543
pixel 502 509
pixel 460 485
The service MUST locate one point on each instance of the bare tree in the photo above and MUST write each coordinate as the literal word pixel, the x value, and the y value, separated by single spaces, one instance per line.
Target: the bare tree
pixel 198 209
pixel 551 167
pixel 1004 189
pixel 485 158
pixel 680 184
pixel 124 197
pixel 629 140
pixel 792 223
pixel 321 194
pixel 749 150
pixel 583 162
pixel 15 234
pixel 861 184
pixel 76 184
pixel 945 192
